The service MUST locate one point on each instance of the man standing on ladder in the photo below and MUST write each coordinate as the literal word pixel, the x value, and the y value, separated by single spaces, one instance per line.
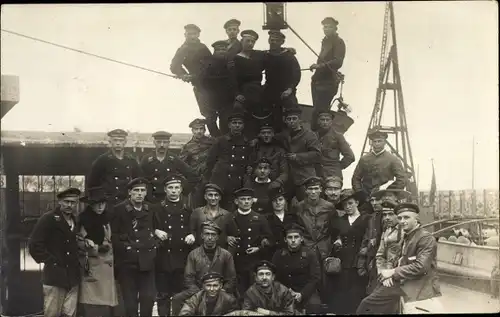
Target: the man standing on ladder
pixel 326 79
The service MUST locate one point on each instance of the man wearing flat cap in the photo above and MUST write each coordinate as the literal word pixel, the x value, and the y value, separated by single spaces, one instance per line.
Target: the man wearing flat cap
pixel 229 158
pixel 212 300
pixel 325 81
pixel 114 169
pixel 171 225
pixel 135 249
pixel 249 237
pixel 415 276
pixel 53 242
pixel 373 234
pixel 232 28
pixel 269 147
pixel 209 257
pixel 302 147
pixel 211 211
pixel 157 165
pixel 218 81
pixel 268 296
pixel 282 78
pixel 333 144
pixel 316 215
pixel 298 268
pixel 378 167
pixel 188 62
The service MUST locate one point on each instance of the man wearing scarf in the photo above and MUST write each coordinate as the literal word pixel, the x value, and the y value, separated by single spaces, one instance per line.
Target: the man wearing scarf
pixel 325 81
pixel 135 249
pixel 98 292
pixel 53 242
pixel 208 257
pixel 171 224
pixel 191 56
pixel 212 300
pixel 157 165
pixel 378 167
pixel 267 296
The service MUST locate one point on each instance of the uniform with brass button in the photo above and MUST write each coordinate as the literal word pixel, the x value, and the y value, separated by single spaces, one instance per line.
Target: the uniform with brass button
pixel 114 169
pixel 172 217
pixel 158 164
pixel 135 250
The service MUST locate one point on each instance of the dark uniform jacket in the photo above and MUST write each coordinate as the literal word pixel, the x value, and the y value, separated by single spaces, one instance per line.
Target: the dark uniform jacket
pixel 371 242
pixel 375 170
pixel 316 221
pixel 282 71
pixel 196 305
pixel 281 300
pixel 233 48
pixel 298 270
pixel 218 79
pixel 200 215
pixel 227 162
pixel 248 76
pixel 198 264
pixel 306 146
pixel 351 237
pixel 113 174
pixel 332 145
pixel 332 54
pixel 53 243
pixel 195 153
pixel 275 153
pixel 389 251
pixel 133 236
pixel 417 270
pixel 252 229
pixel 261 195
pixel 155 171
pixel 173 218
pixel 278 229
pixel 191 56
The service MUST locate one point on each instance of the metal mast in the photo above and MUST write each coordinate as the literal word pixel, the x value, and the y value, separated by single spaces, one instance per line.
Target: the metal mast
pixel 399 140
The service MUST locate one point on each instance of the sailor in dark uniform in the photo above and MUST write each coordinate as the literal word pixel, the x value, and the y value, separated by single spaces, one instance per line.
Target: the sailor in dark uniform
pixel 325 81
pixel 298 269
pixel 135 249
pixel 191 56
pixel 232 28
pixel 157 165
pixel 260 183
pixel 228 160
pixel 248 238
pixel 114 169
pixel 282 77
pixel 219 83
pixel 172 228
pixel 378 167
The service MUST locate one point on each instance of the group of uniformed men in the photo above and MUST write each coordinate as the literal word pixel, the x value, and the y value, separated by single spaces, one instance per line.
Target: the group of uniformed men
pixel 245 218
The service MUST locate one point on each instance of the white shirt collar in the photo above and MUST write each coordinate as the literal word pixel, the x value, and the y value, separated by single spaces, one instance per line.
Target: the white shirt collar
pixel 268 180
pixel 377 154
pixel 244 212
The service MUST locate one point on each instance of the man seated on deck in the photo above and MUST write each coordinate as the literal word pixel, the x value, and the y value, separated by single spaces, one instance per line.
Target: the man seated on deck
pixel 212 300
pixel 206 258
pixel 415 278
pixel 267 296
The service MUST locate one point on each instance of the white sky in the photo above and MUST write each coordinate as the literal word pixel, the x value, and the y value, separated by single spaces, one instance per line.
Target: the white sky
pixel 448 54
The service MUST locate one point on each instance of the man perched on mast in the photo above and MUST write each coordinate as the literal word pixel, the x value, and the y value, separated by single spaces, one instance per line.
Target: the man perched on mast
pixel 378 167
pixel 325 81
pixel 190 56
pixel 232 28
pixel 282 77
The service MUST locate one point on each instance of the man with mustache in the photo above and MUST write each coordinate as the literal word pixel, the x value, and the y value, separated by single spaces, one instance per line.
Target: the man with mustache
pixel 208 257
pixel 267 296
pixel 415 276
pixel 114 169
pixel 157 165
pixel 53 243
pixel 298 268
pixel 229 158
pixel 135 249
pixel 333 188
pixel 212 300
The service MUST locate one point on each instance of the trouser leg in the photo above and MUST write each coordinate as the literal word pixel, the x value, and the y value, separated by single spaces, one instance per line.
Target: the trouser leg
pixel 89 310
pixel 130 288
pixel 53 299
pixel 70 302
pixel 383 300
pixel 322 96
pixel 147 292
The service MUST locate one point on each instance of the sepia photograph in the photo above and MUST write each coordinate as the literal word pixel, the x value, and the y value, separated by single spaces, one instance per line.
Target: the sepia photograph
pixel 249 159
